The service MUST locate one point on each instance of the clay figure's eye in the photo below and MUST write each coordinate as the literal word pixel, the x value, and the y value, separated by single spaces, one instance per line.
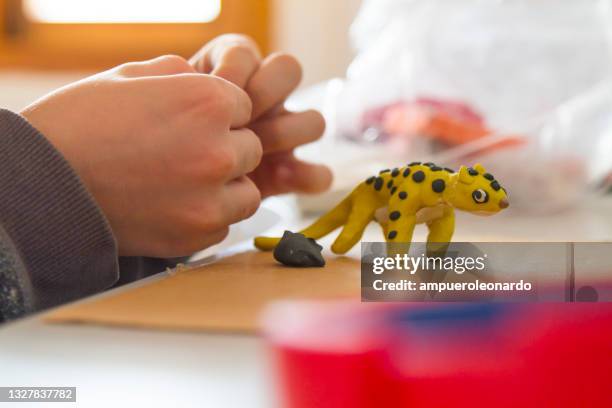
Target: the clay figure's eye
pixel 480 196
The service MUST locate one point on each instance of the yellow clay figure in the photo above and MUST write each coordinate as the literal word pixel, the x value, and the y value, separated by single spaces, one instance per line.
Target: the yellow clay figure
pixel 399 199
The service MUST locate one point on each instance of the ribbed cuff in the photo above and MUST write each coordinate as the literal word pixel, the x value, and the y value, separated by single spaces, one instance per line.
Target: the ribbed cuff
pixel 63 239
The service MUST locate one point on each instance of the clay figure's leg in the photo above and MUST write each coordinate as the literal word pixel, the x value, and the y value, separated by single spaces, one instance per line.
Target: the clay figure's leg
pixel 399 234
pixel 439 237
pixel 360 217
pixel 330 221
pixel 440 233
pixel 321 227
pixel 402 220
pixel 385 227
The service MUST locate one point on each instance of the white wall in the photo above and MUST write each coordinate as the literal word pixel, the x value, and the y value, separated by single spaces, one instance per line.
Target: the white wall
pixel 316 31
pixel 19 88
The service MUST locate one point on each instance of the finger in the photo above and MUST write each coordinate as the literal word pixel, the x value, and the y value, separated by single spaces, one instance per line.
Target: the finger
pixel 276 110
pixel 232 56
pixel 282 173
pixel 203 60
pixel 237 102
pixel 237 64
pixel 160 66
pixel 241 106
pixel 302 177
pixel 241 198
pixel 226 104
pixel 247 149
pixel 277 77
pixel 208 239
pixel 289 130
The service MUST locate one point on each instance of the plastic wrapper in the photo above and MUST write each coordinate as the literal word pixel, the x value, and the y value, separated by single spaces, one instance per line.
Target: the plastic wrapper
pixel 522 86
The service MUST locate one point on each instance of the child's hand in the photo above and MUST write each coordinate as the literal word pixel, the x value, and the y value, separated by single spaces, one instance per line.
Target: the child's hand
pixel 162 149
pixel 269 83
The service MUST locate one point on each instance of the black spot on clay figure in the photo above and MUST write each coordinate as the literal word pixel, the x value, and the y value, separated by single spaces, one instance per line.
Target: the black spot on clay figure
pixel 294 249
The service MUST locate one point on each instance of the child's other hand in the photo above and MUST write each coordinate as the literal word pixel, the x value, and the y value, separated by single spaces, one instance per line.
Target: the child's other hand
pixel 163 150
pixel 268 83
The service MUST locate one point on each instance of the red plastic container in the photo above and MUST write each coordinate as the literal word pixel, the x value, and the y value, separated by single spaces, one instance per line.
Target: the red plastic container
pixel 441 355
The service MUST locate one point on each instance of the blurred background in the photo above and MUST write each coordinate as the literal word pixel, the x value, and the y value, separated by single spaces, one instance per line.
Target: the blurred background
pixel 452 82
pixel 45 44
pixel 522 86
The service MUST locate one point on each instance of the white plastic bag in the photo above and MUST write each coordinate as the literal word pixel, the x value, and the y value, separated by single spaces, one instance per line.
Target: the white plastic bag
pixel 535 74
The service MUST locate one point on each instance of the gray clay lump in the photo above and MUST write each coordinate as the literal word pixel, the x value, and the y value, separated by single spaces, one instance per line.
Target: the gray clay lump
pixel 294 249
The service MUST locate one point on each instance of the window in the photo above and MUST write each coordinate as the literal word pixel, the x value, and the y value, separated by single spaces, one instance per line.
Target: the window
pixel 122 11
pixel 98 34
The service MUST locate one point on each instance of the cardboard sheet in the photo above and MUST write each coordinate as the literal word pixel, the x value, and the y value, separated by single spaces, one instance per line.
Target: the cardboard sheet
pixel 227 295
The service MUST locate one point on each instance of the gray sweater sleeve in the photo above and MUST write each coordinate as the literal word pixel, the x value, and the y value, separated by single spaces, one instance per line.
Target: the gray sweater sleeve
pixel 55 243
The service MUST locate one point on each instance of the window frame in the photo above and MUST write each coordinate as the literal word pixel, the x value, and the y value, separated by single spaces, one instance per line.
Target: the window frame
pixel 95 46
